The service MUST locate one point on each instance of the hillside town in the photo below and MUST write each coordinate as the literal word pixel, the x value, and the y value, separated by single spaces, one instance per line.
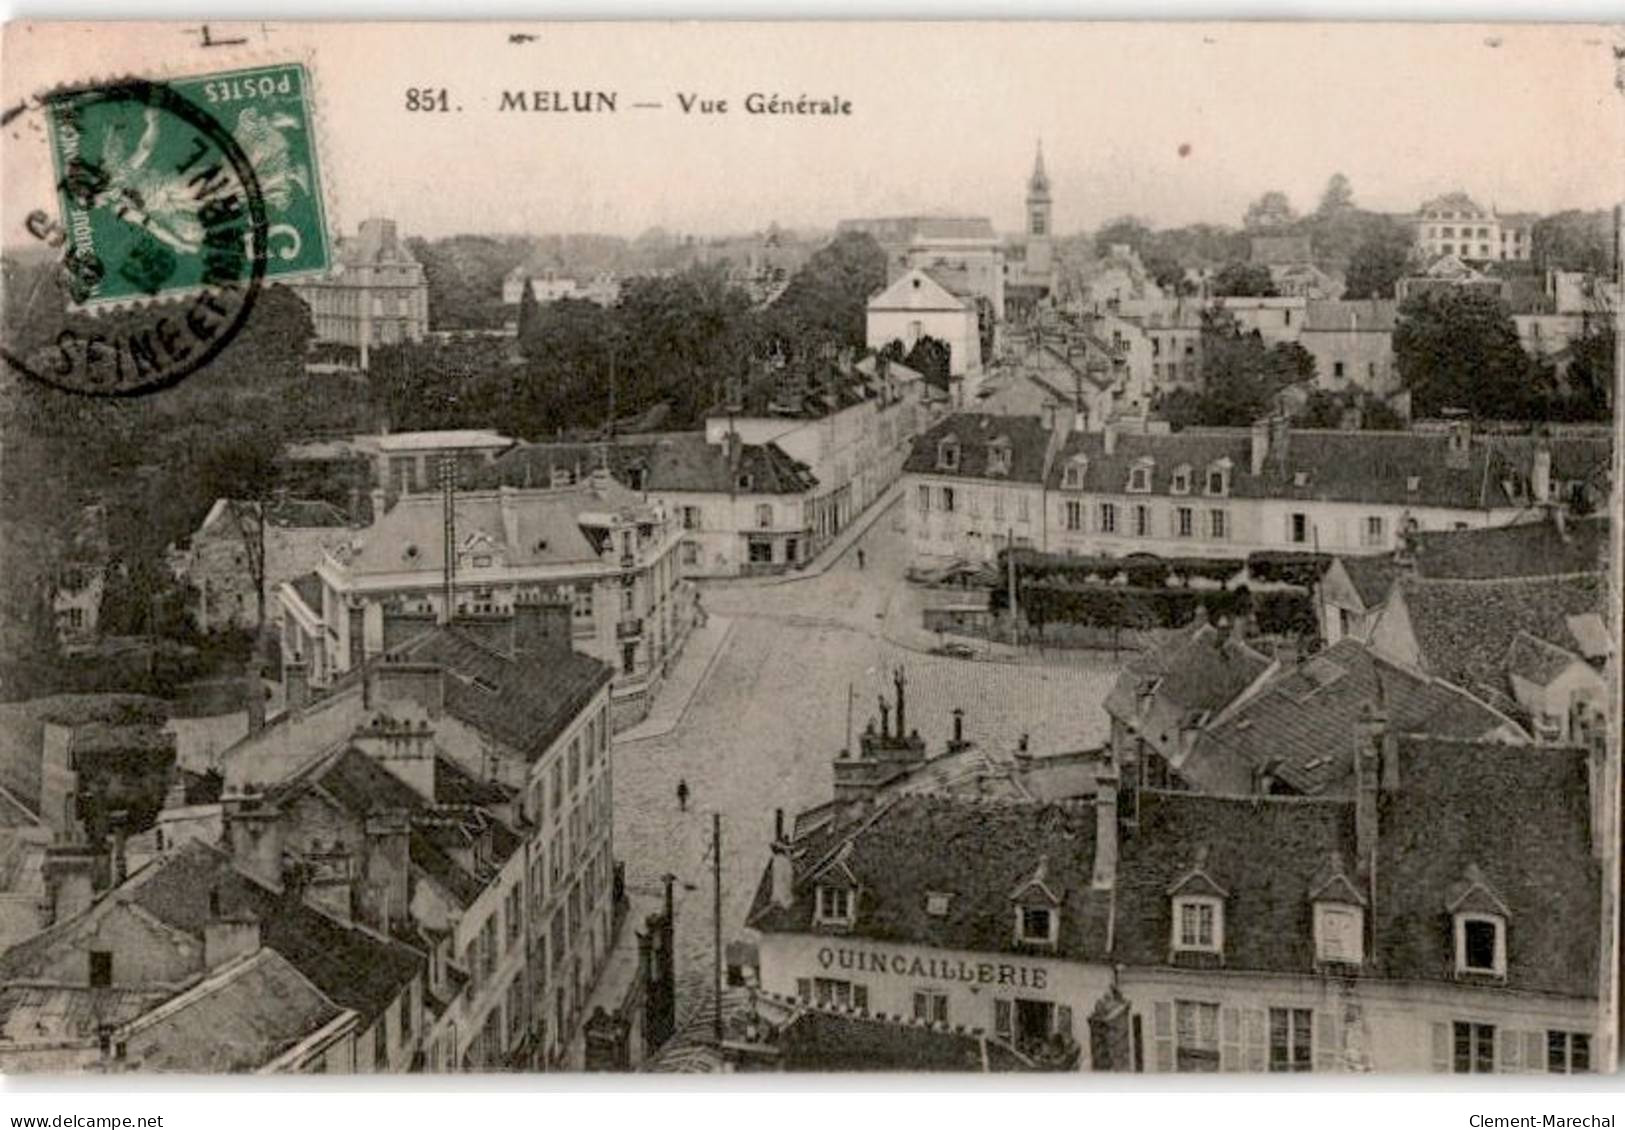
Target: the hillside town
pixel 911 646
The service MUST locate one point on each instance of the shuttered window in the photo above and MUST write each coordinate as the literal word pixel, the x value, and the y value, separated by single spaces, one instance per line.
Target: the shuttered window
pixel 1162 1035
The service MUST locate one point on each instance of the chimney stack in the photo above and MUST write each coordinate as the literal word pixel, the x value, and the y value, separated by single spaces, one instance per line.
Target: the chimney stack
pixel 296 683
pixel 1105 876
pixel 1109 438
pixel 228 937
pixel 1260 434
pixel 1540 476
pixel 1369 737
pixel 898 680
pixel 1458 446
pixel 1280 435
pixel 783 878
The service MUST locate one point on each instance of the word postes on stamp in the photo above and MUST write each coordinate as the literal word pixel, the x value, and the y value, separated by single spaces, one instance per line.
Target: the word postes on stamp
pixel 178 201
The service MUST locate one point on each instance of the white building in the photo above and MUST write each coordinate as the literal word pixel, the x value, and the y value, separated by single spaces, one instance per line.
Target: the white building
pixel 916 306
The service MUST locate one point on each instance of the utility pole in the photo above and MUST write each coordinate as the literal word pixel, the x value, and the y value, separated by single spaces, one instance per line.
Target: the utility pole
pixel 851 691
pixel 716 921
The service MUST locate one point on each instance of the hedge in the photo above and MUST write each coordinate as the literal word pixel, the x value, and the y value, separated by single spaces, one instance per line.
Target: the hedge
pixel 1120 606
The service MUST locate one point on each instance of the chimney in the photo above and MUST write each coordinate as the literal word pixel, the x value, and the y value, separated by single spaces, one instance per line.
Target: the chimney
pixel 784 877
pixel 1367 778
pixel 356 625
pixel 420 683
pixel 254 833
pixel 407 751
pixel 898 680
pixel 1109 439
pixel 1540 476
pixel 1105 876
pixel 959 727
pixel 542 628
pixel 254 699
pixel 69 871
pixel 507 503
pixel 1260 432
pixel 228 937
pixel 1458 446
pixel 1280 433
pixel 778 825
pixel 296 684
pixel 386 869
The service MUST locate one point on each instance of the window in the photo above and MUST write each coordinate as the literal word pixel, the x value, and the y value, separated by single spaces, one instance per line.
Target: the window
pixel 1196 1033
pixel 925 499
pixel 1299 528
pixel 1339 934
pixel 1108 517
pixel 575 762
pixel 581 602
pixel 1568 1053
pixel 1074 515
pixel 1037 925
pixel 1474 1048
pixel 835 905
pixel 691 517
pixel 1371 534
pixel 555 930
pixel 691 553
pixel 1185 521
pixel 101 968
pixel 1182 480
pixel 948 499
pixel 405 1025
pixel 1337 369
pixel 380 1043
pixel 998 458
pixel 1216 524
pixel 512 919
pixel 1290 1039
pixel 1480 944
pixel 1022 514
pixel 1198 924
pixel 948 455
pixel 931 1007
pixel 1215 482
pixel 1139 479
pixel 829 992
pixel 998 506
pixel 1142 521
pixel 764 516
pixel 760 551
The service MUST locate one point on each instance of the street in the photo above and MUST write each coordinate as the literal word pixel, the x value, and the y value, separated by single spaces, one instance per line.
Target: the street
pixel 763 728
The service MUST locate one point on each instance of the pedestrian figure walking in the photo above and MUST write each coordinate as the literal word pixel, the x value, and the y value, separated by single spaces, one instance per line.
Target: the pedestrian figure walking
pixel 860 557
pixel 682 796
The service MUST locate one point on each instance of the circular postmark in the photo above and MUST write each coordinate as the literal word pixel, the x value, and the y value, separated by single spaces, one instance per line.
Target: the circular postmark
pixel 163 227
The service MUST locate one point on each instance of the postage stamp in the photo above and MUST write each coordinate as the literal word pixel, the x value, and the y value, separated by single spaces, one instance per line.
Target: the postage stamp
pixel 152 195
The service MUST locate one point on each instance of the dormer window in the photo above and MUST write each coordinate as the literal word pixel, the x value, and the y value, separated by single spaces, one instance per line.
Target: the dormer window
pixel 1072 477
pixel 834 906
pixel 1199 924
pixel 1339 934
pixel 1038 925
pixel 1479 919
pixel 1218 478
pixel 936 904
pixel 948 454
pixel 1181 483
pixel 1139 477
pixel 1481 944
pixel 998 457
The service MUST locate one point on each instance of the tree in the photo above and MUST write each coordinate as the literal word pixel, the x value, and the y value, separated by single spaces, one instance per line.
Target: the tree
pixel 1574 241
pixel 465 275
pixel 1338 197
pixel 1129 230
pixel 1241 377
pixel 529 311
pixel 933 360
pixel 1376 266
pixel 1271 210
pixel 1166 272
pixel 1590 374
pixel 1456 347
pixel 1244 280
pixel 828 298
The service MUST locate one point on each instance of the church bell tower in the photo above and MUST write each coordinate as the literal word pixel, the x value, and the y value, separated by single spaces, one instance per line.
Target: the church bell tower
pixel 1038 199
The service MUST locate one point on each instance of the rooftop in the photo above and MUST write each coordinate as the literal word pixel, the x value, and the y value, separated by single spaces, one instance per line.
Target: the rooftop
pixel 674 461
pixel 976 434
pixel 1528 549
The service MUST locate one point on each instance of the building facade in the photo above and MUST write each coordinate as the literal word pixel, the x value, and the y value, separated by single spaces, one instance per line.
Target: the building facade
pixel 377 293
pixel 974 485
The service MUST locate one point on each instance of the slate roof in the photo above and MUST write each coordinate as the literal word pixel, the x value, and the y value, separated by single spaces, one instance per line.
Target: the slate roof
pixel 1208 670
pixel 1302 723
pixel 1529 549
pixel 354 968
pixel 975 432
pixel 979 853
pixel 354 780
pixel 1464 629
pixel 455 785
pixel 240 1020
pixel 524 701
pixel 1372 467
pixel 1371 576
pixel 1367 315
pixel 1265 852
pixel 1520 814
pixel 1536 660
pixel 545 527
pixel 675 461
pixel 40 1013
pixel 309 588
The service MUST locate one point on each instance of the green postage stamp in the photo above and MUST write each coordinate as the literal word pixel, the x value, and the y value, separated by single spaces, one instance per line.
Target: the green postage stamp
pixel 192 184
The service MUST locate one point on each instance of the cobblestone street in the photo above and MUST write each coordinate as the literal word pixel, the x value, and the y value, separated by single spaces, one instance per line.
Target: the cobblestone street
pixel 763 728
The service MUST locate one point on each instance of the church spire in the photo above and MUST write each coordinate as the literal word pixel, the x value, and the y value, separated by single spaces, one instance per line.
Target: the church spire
pixel 1038 183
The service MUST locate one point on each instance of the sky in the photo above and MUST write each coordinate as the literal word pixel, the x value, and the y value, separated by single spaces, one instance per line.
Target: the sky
pixel 1178 123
